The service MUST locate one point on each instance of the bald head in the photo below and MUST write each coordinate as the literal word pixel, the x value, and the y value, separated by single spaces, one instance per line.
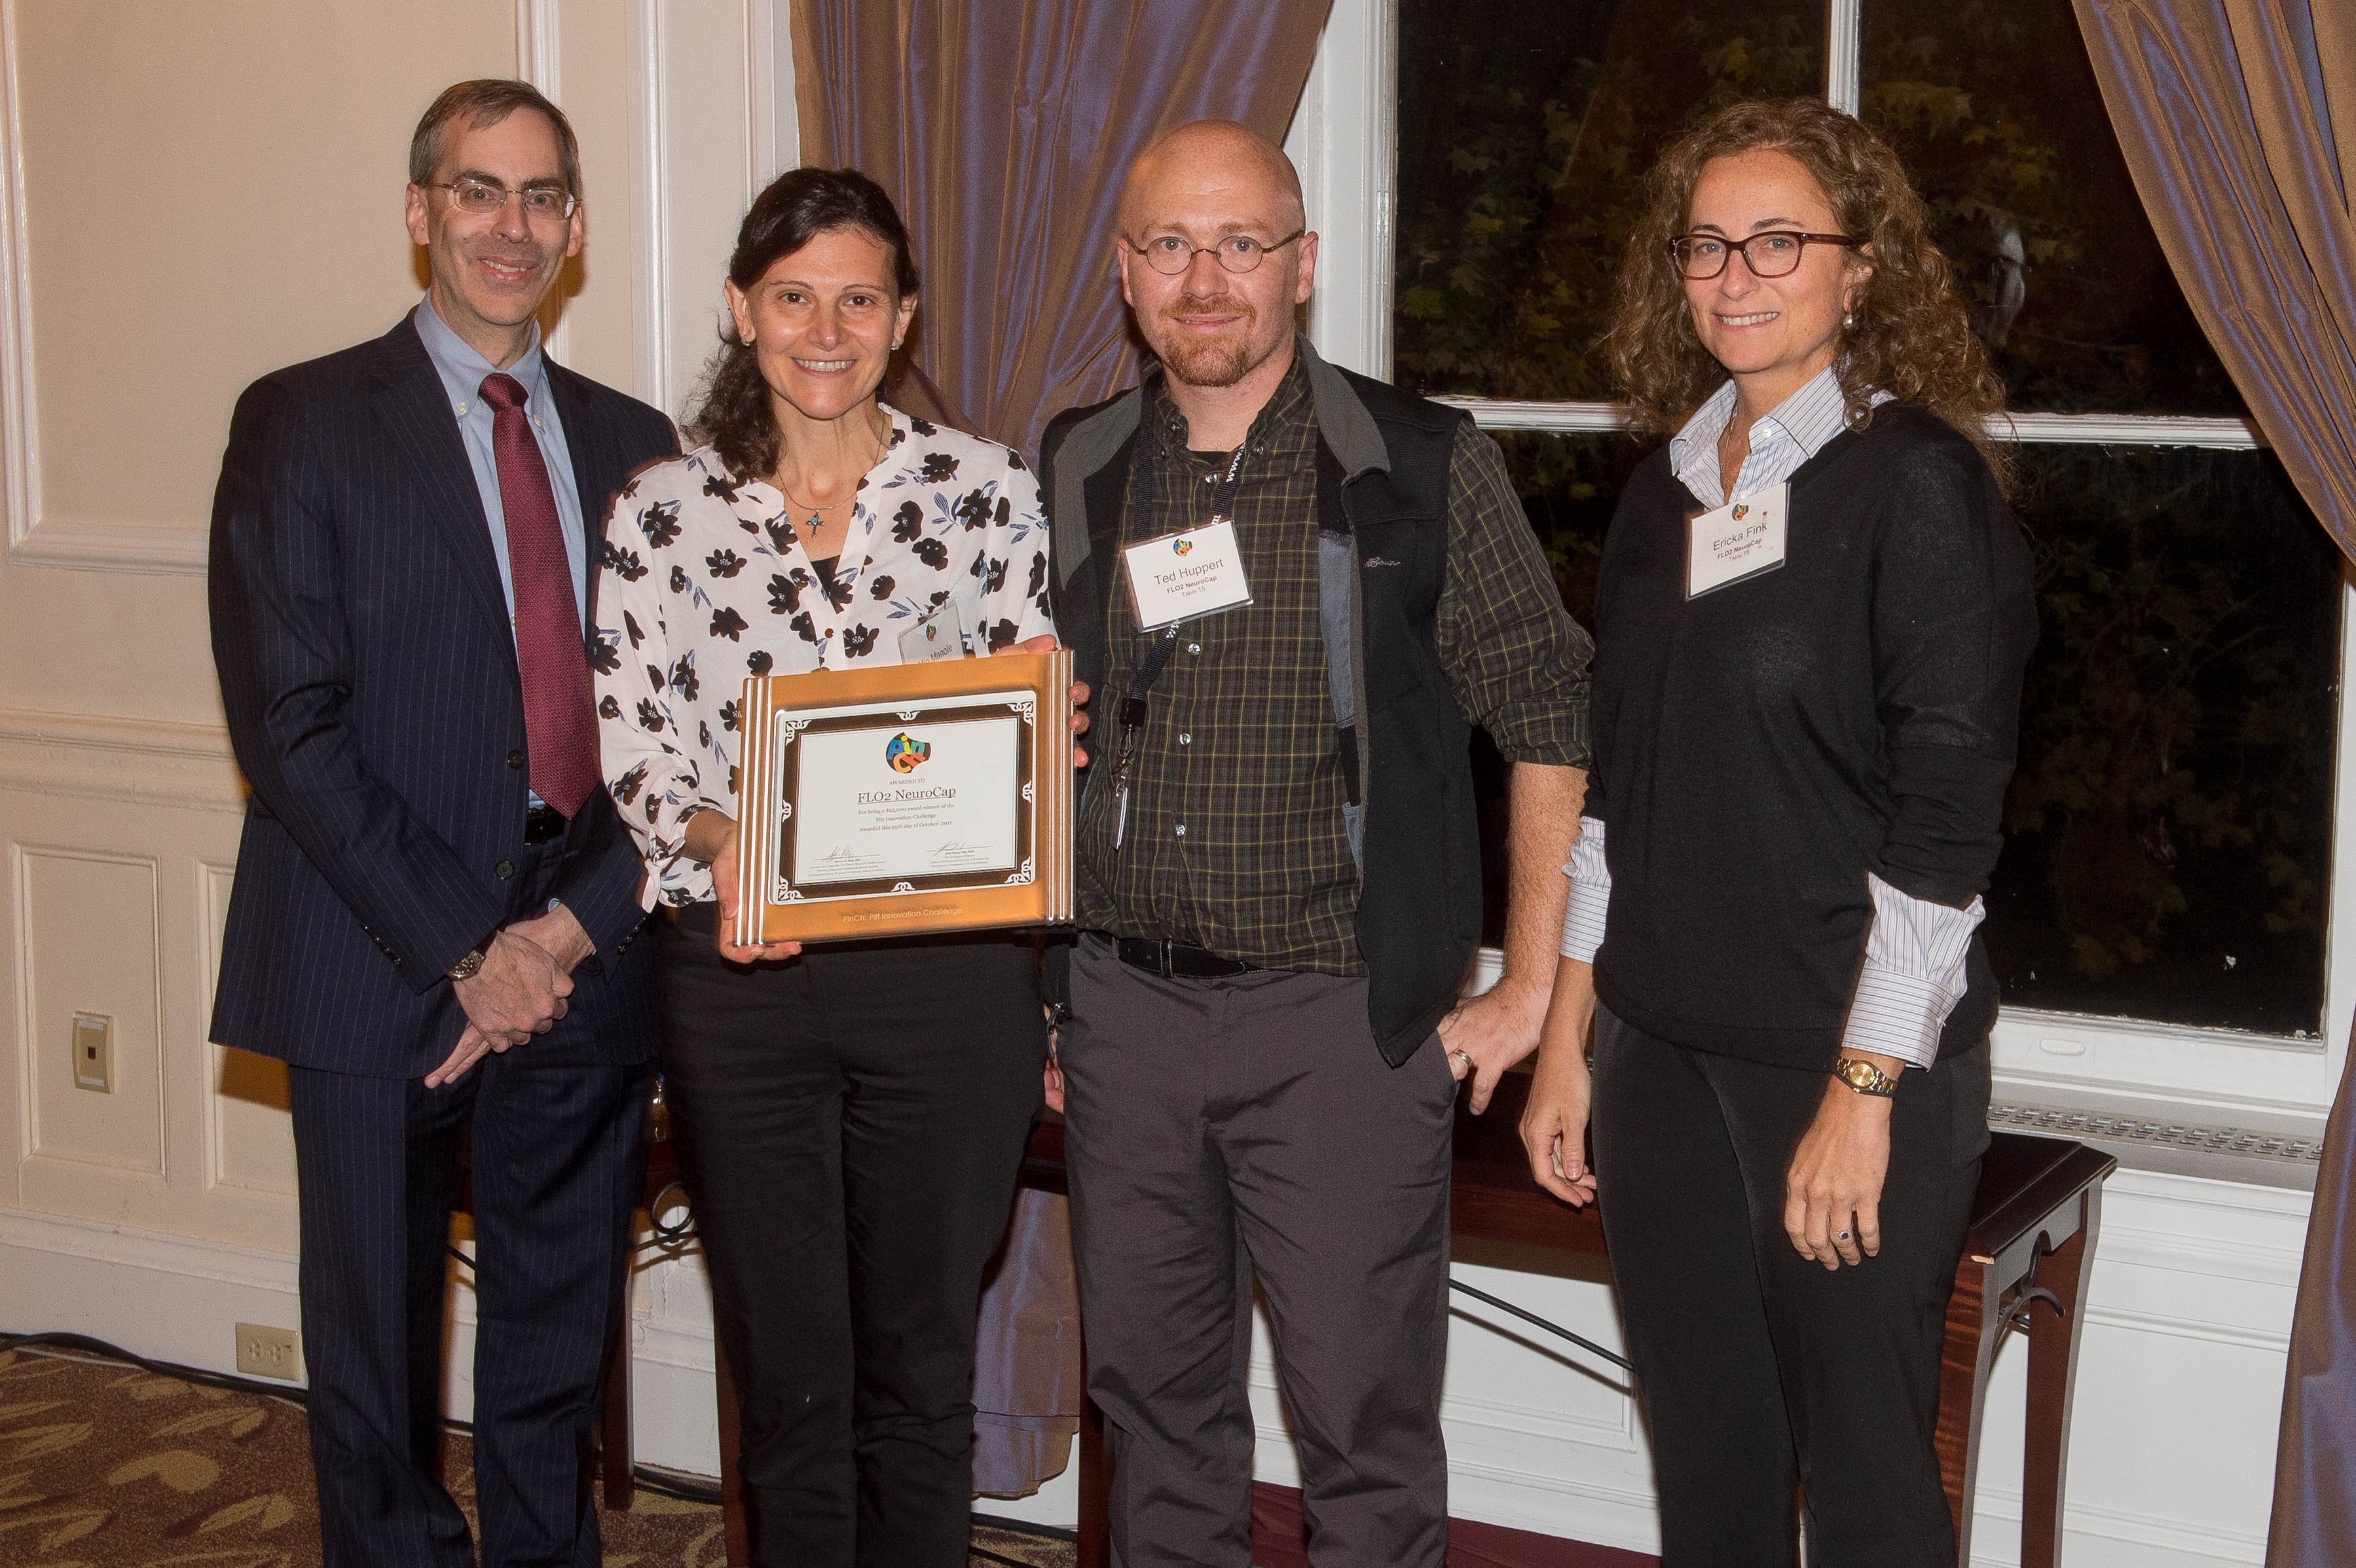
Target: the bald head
pixel 1209 157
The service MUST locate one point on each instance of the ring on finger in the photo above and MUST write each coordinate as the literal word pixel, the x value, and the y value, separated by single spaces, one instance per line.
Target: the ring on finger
pixel 1462 1055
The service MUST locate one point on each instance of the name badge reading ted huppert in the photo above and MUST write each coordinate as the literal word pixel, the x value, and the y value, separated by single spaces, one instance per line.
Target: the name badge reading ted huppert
pixel 1736 541
pixel 1185 575
pixel 940 637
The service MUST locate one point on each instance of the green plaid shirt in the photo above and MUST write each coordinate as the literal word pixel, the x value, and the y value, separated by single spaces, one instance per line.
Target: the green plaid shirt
pixel 1234 839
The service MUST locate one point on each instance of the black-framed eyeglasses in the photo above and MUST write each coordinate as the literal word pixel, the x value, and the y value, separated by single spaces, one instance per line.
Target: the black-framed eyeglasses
pixel 1169 254
pixel 1701 257
pixel 481 198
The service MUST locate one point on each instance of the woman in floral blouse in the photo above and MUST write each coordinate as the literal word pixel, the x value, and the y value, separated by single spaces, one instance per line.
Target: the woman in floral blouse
pixel 849 1118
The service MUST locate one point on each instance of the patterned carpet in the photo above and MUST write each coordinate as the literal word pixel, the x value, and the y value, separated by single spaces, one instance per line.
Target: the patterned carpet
pixel 102 1466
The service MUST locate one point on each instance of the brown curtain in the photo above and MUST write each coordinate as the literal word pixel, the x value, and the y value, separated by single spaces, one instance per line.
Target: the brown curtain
pixel 1002 128
pixel 2238 119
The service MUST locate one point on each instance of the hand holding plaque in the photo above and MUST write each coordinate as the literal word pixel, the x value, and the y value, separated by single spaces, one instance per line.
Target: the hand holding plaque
pixel 900 799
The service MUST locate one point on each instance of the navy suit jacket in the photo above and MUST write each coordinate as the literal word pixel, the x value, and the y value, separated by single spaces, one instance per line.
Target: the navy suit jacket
pixel 368 671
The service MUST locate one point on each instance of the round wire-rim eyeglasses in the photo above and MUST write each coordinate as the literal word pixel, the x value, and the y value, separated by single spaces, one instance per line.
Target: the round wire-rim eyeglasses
pixel 480 198
pixel 1169 254
pixel 1701 257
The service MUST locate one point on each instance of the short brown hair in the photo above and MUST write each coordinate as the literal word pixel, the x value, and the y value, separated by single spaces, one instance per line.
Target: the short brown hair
pixel 1910 335
pixel 486 100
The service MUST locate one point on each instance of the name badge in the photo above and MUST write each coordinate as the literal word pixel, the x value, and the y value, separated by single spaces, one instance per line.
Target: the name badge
pixel 1738 541
pixel 938 636
pixel 1184 575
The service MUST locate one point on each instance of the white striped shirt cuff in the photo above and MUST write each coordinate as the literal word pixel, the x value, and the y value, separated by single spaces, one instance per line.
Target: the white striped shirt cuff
pixel 1591 894
pixel 1912 976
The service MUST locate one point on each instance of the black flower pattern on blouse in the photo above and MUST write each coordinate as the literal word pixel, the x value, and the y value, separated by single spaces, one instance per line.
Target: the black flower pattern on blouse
pixel 659 522
pixel 723 564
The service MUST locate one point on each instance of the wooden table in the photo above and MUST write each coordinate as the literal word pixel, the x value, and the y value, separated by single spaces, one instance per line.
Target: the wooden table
pixel 2025 1259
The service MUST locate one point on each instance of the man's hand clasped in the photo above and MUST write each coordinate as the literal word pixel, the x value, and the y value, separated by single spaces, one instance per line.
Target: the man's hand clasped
pixel 520 990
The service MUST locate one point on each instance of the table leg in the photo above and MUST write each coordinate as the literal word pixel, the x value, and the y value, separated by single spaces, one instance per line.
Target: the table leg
pixel 614 1455
pixel 1974 1327
pixel 1095 1487
pixel 731 1474
pixel 2053 1374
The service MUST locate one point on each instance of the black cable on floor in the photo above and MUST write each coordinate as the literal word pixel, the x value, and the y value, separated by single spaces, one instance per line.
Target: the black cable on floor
pixel 1585 1344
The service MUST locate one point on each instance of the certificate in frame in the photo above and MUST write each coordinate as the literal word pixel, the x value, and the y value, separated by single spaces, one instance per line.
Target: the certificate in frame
pixel 899 799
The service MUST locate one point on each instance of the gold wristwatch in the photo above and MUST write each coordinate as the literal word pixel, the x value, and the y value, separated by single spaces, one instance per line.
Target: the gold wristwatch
pixel 467 968
pixel 1864 1077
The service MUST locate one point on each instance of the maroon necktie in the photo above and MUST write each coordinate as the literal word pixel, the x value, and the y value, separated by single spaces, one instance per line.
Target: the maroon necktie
pixel 560 721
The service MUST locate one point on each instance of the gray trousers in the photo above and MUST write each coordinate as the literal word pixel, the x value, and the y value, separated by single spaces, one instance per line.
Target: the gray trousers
pixel 1223 1130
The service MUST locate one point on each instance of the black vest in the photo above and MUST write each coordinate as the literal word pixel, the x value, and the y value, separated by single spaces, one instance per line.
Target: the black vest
pixel 1418 914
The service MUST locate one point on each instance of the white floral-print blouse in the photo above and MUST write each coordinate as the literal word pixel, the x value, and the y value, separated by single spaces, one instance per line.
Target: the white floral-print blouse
pixel 704 581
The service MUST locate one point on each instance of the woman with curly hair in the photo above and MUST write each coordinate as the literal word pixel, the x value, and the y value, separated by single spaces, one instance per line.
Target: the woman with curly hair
pixel 848 1119
pixel 1811 619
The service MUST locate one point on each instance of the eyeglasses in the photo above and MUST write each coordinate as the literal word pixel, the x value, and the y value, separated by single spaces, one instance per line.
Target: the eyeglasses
pixel 1169 254
pixel 1699 257
pixel 482 198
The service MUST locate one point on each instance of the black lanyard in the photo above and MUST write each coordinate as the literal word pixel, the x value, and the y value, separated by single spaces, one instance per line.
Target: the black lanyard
pixel 1133 706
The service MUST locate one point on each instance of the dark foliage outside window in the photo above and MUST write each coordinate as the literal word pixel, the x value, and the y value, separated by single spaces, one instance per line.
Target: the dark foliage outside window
pixel 2169 831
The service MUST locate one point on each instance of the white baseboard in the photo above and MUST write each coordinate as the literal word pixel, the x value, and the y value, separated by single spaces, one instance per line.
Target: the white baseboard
pixel 2189 1307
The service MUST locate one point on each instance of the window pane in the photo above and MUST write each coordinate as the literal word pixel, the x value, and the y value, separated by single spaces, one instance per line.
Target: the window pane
pixel 2168 828
pixel 1523 130
pixel 1995 108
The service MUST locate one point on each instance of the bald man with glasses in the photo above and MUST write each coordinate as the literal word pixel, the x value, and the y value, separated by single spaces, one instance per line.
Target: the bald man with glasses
pixel 1294 591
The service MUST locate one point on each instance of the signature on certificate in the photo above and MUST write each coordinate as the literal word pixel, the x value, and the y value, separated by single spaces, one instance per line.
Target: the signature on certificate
pixel 955 851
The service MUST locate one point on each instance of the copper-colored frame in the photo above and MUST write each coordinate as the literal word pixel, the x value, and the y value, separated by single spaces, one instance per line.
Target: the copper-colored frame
pixel 941 904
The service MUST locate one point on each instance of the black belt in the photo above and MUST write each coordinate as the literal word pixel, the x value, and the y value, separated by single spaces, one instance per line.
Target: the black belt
pixel 1175 960
pixel 542 823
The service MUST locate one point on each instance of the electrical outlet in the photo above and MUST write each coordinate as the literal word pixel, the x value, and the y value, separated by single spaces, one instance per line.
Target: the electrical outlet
pixel 93 1052
pixel 266 1352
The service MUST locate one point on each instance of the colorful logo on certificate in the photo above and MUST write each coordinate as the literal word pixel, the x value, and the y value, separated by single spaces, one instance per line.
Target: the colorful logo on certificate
pixel 1181 545
pixel 1741 510
pixel 932 631
pixel 903 753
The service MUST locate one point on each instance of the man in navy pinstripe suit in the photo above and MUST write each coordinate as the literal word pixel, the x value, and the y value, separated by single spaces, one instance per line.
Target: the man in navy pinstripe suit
pixel 430 876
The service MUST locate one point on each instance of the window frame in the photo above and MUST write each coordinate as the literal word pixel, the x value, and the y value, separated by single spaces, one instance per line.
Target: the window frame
pixel 1342 141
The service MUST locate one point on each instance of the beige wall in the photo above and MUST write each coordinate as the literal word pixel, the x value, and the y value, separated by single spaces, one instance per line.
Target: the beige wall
pixel 209 189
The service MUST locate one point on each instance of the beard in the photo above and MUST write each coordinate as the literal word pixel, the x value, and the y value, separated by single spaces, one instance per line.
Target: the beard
pixel 1221 362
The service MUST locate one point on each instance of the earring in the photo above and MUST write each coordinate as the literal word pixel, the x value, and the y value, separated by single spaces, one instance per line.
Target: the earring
pixel 1848 320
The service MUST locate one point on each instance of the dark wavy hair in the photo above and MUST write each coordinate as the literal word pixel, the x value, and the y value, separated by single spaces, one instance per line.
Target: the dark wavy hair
pixel 1910 336
pixel 734 416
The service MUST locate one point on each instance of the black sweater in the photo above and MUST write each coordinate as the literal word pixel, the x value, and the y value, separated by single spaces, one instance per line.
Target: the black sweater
pixel 1760 749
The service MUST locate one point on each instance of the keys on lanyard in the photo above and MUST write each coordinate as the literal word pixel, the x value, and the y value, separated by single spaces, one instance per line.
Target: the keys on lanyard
pixel 1134 708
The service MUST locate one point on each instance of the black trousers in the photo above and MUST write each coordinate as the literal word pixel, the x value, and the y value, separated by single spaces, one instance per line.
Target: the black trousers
pixel 1228 1129
pixel 849 1123
pixel 558 1164
pixel 1758 1369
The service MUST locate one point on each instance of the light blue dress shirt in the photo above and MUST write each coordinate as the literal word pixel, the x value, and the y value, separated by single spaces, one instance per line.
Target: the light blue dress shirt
pixel 462 371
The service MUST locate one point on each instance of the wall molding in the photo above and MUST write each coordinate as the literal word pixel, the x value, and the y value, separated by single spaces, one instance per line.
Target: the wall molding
pixel 144 762
pixel 87 544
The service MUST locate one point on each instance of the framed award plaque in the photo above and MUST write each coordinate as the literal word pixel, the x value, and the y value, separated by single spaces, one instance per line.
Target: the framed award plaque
pixel 896 799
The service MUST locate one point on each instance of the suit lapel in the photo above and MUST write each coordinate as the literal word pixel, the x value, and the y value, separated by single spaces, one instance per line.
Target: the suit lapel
pixel 416 413
pixel 589 444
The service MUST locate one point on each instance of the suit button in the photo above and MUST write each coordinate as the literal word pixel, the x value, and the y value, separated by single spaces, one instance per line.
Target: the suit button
pixel 515 760
pixel 505 869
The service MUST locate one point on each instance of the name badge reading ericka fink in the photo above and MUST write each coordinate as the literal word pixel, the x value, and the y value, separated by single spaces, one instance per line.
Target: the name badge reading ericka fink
pixel 939 636
pixel 1736 541
pixel 1181 576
